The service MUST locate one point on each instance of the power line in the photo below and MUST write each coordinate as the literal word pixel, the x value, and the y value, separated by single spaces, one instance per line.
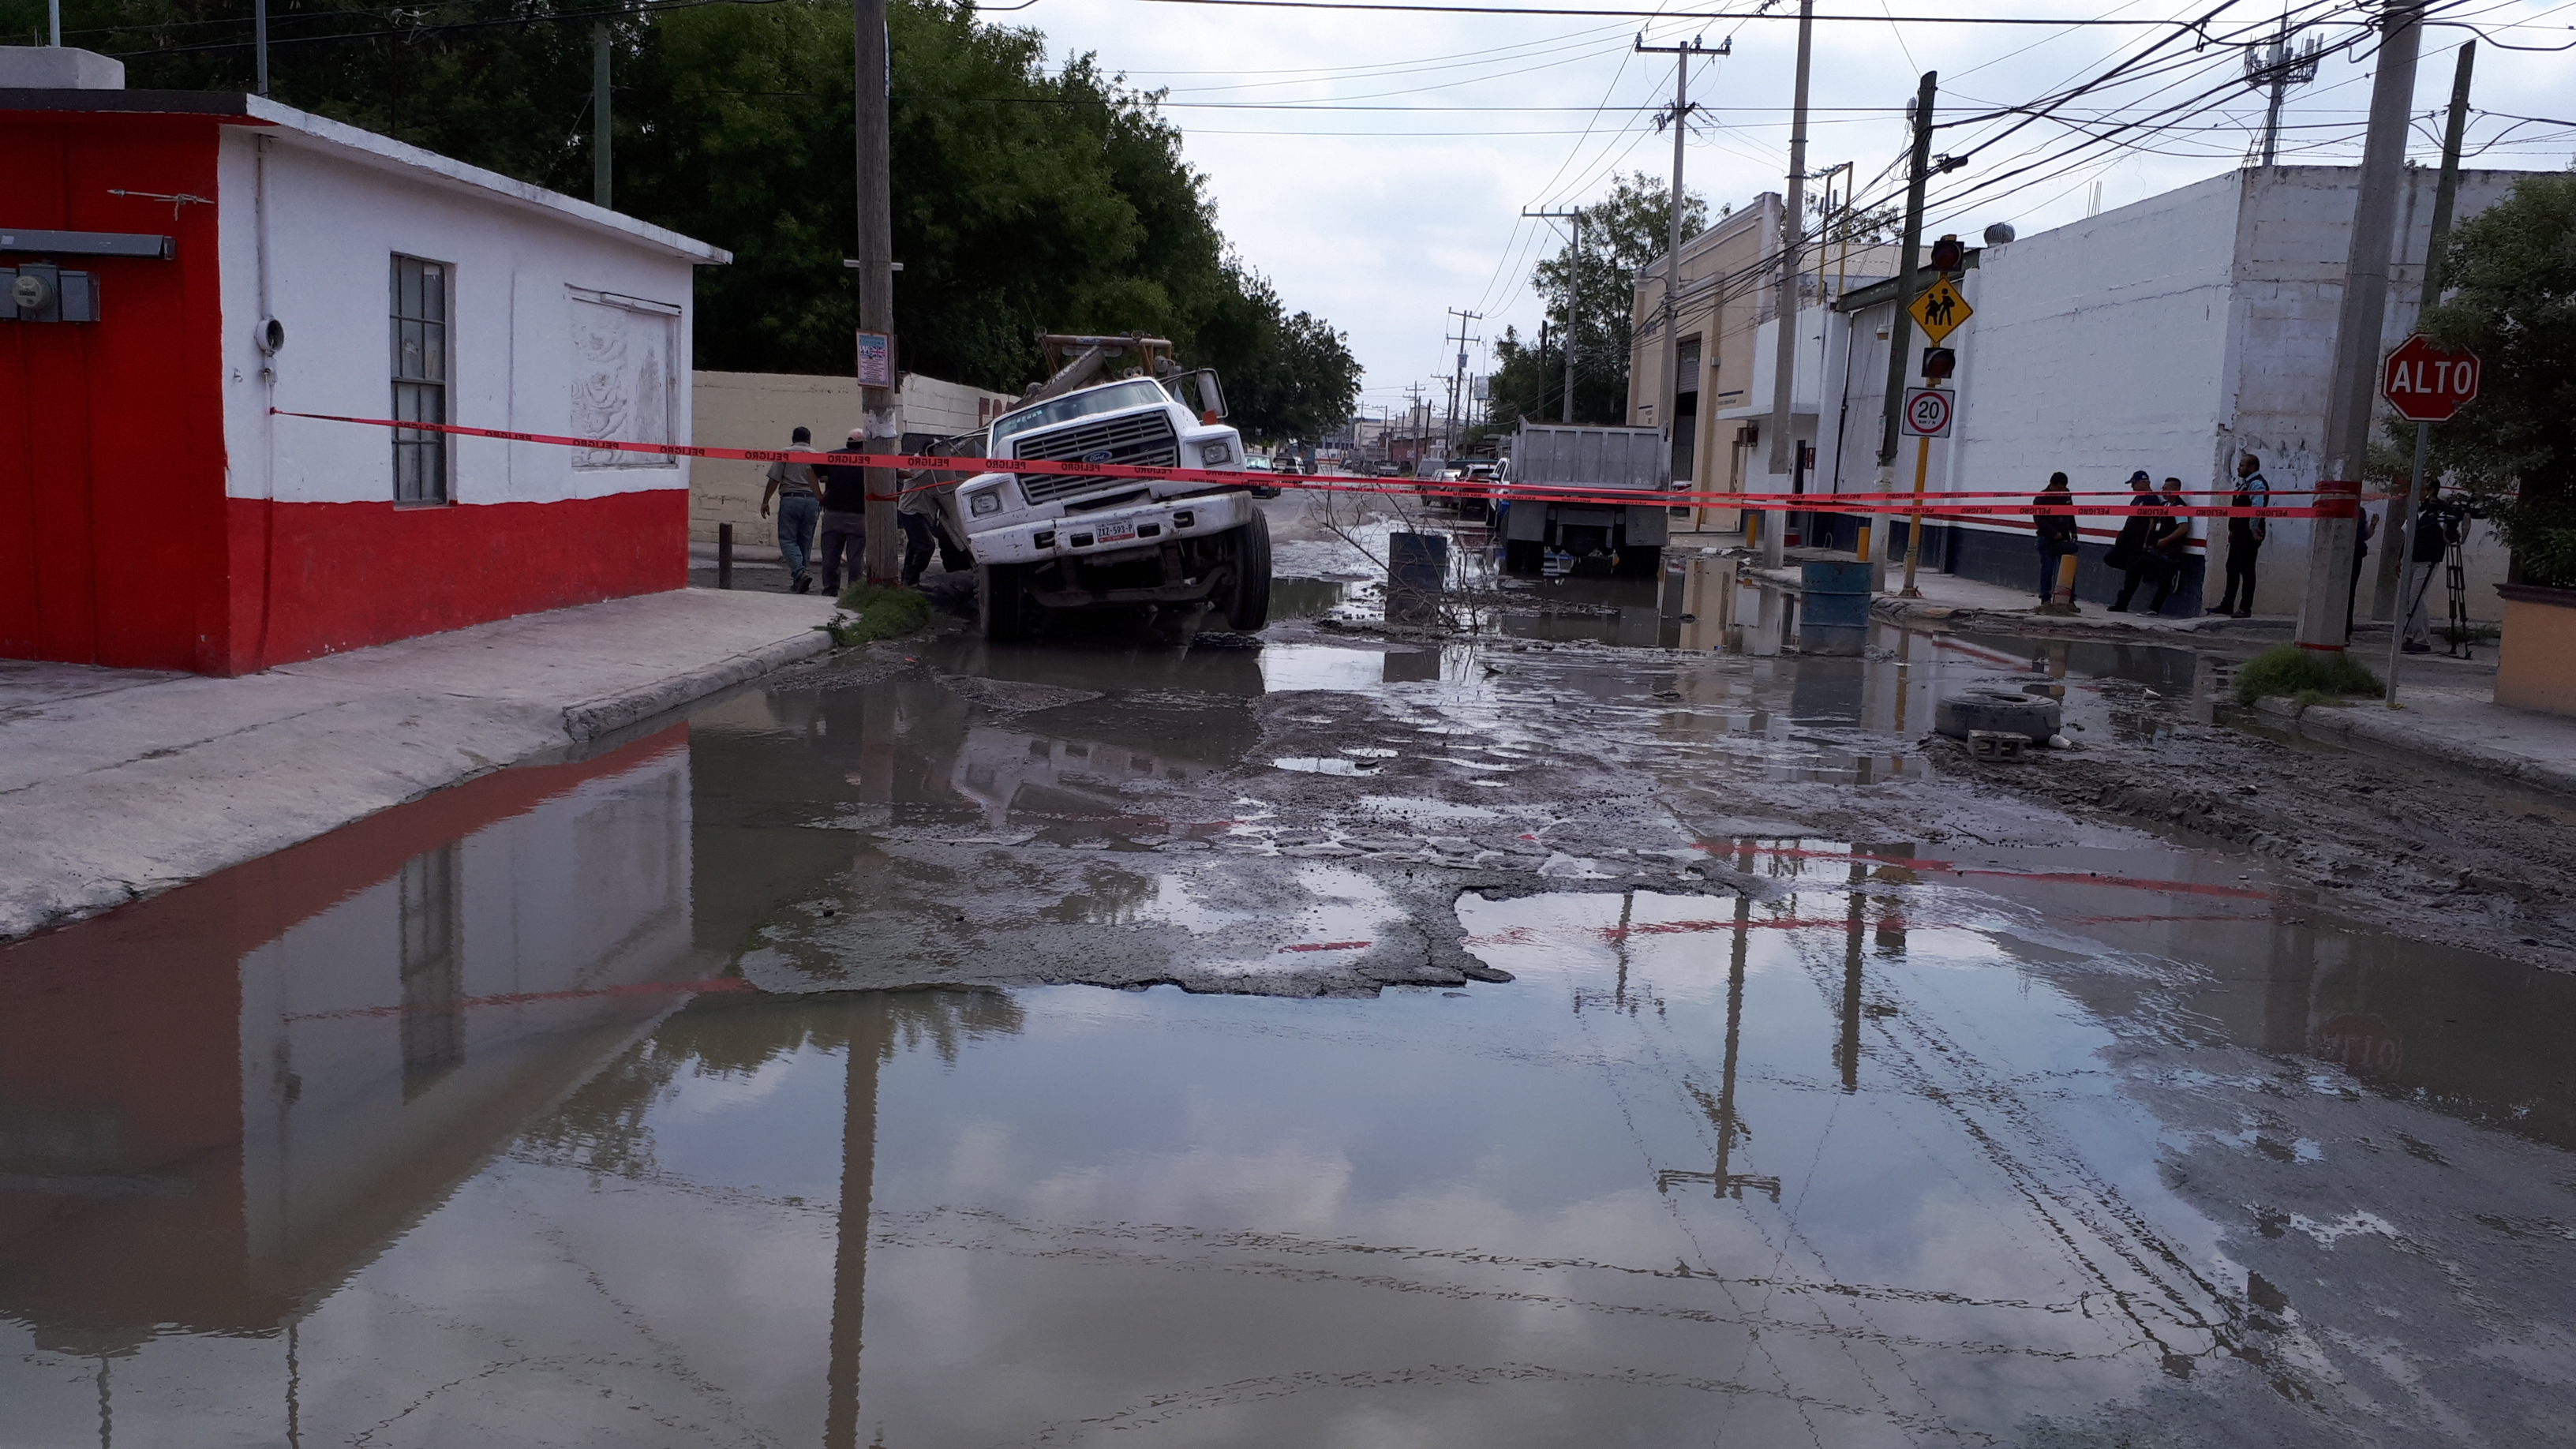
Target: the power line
pixel 1407 6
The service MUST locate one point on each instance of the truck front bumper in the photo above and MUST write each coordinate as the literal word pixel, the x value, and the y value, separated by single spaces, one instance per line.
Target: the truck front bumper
pixel 1113 535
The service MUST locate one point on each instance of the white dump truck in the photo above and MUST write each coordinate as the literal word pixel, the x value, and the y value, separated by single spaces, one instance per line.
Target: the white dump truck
pixel 1625 538
pixel 1072 541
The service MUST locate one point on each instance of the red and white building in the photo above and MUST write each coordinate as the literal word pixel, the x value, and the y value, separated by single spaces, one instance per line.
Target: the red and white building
pixel 244 260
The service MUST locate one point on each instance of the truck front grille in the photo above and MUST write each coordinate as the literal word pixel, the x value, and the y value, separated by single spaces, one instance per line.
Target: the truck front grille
pixel 1145 439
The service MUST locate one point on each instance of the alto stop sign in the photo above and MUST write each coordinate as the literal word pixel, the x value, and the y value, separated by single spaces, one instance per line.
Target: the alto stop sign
pixel 2426 383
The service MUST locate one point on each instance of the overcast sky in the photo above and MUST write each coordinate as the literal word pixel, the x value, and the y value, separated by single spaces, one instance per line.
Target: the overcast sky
pixel 1375 164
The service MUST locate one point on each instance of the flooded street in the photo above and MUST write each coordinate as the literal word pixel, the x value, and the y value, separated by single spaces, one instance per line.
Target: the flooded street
pixel 1599 1029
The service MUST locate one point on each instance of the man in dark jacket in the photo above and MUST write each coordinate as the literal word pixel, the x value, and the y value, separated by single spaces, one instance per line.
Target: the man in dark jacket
pixel 2427 552
pixel 2134 551
pixel 845 514
pixel 2053 511
pixel 2245 536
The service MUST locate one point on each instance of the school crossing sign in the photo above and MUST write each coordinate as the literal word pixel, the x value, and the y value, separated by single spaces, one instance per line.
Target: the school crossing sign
pixel 2427 383
pixel 1939 310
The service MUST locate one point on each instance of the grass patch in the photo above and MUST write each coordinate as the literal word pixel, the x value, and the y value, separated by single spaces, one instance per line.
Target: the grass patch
pixel 879 613
pixel 2309 676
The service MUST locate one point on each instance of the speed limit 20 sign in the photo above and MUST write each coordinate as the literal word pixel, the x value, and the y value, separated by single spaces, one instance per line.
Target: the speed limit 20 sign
pixel 1927 412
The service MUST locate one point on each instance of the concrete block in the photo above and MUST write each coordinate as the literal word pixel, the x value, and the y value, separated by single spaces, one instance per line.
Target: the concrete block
pixel 1996 744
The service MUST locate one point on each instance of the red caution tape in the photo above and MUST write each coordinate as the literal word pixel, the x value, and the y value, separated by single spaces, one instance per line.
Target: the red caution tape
pixel 2339 503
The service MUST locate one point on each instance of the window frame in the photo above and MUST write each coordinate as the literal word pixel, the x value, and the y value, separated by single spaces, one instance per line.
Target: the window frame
pixel 424 467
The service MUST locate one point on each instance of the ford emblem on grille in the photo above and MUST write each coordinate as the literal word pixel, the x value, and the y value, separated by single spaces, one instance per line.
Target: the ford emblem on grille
pixel 1100 456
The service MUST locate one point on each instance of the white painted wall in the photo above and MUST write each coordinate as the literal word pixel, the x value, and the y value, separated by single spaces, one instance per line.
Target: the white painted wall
pixel 564 319
pixel 2294 230
pixel 2167 335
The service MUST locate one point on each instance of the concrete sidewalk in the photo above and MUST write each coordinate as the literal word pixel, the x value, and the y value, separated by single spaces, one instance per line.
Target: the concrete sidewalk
pixel 2461 726
pixel 2446 712
pixel 117 783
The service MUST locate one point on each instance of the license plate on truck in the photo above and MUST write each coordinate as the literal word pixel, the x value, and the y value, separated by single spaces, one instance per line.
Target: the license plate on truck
pixel 1115 532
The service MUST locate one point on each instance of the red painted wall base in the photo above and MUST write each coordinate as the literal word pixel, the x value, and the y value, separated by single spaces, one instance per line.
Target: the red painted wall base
pixel 310 579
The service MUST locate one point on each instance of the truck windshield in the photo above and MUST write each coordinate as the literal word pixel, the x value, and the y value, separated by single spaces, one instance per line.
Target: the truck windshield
pixel 1135 393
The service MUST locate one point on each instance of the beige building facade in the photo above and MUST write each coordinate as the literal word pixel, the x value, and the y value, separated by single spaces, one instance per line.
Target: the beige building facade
pixel 1729 282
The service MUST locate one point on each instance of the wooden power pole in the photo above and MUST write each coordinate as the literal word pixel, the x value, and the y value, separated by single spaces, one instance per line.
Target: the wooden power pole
pixel 882 416
pixel 1670 401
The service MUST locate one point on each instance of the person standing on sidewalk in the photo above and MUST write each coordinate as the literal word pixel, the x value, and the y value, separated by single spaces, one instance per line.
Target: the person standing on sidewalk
pixel 792 484
pixel 845 514
pixel 2054 513
pixel 2134 552
pixel 2173 542
pixel 2431 547
pixel 2245 536
pixel 2360 550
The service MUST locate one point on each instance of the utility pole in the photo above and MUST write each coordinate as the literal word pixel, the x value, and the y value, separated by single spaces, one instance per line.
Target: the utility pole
pixel 2279 68
pixel 1457 382
pixel 1679 120
pixel 2324 608
pixel 1900 329
pixel 1793 221
pixel 2396 583
pixel 1573 296
pixel 599 55
pixel 873 83
pixel 258 37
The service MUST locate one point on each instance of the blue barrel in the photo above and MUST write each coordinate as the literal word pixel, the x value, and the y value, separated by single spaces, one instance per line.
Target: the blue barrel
pixel 1836 594
pixel 1417 562
pixel 1833 612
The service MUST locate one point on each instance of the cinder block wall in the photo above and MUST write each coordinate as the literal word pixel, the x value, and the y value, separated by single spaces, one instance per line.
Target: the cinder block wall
pixel 761 409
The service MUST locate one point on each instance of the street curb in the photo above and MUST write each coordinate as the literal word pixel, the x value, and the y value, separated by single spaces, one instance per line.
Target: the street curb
pixel 2342 725
pixel 2203 629
pixel 609 713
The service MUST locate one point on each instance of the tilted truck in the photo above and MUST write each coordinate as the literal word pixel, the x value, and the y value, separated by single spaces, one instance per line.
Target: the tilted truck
pixel 1554 497
pixel 1051 541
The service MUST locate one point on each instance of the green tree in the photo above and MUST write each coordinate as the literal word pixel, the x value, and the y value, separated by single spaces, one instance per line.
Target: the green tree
pixel 1027 198
pixel 2510 278
pixel 1286 376
pixel 1529 382
pixel 1621 233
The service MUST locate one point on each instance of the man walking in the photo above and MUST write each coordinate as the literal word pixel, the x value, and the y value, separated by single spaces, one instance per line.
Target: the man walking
pixel 792 484
pixel 2054 513
pixel 845 513
pixel 2245 536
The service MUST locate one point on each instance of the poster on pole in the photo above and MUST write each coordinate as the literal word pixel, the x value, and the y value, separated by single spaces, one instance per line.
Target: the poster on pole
pixel 876 359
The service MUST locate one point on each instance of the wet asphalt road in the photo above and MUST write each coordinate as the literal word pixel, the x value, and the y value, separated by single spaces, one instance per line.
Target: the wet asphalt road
pixel 1577 1043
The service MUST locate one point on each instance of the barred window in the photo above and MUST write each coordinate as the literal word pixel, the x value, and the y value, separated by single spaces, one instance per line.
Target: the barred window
pixel 420 379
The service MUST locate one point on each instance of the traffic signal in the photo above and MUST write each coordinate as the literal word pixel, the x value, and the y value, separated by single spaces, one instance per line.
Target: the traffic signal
pixel 1939 362
pixel 1947 255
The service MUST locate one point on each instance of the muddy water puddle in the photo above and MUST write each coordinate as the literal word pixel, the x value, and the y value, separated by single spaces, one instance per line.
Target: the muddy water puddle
pixel 538 1112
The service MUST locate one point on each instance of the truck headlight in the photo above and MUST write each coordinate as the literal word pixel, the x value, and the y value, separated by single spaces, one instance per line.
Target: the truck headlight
pixel 1216 455
pixel 988 501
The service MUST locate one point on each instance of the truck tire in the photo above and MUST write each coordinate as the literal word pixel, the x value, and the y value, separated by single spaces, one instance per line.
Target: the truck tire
pixel 1002 602
pixel 1524 556
pixel 1247 597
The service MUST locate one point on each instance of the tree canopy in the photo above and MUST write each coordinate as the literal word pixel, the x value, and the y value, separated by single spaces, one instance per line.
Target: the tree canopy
pixel 1027 197
pixel 2509 277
